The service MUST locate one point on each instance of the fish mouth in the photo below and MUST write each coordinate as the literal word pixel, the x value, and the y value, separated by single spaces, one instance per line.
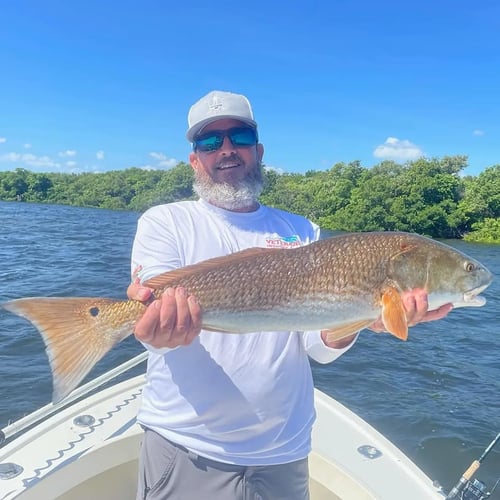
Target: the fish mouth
pixel 472 297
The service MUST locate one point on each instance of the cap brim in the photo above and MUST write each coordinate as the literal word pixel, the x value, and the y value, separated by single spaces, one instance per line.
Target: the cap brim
pixel 195 129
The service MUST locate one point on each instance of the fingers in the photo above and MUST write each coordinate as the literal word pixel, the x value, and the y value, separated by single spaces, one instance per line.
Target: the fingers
pixel 416 306
pixel 171 321
pixel 146 327
pixel 136 291
pixel 439 313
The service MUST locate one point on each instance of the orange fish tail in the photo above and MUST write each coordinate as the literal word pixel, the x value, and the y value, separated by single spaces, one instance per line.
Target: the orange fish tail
pixel 77 333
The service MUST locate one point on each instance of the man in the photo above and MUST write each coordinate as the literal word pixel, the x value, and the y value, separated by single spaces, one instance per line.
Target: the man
pixel 226 417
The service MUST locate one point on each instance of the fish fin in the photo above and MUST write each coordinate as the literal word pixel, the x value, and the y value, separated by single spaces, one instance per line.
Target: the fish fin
pixel 217 330
pixel 76 334
pixel 393 313
pixel 172 278
pixel 340 332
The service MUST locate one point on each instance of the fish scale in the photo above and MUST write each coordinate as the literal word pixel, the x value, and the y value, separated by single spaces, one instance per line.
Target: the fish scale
pixel 340 284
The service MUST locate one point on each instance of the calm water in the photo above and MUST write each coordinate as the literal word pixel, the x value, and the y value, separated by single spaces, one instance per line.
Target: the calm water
pixel 436 396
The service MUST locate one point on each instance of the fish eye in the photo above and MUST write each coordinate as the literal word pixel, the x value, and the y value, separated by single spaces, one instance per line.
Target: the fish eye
pixel 469 266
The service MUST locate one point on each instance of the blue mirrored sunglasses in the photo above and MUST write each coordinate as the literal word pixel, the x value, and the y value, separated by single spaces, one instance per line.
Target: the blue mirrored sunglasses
pixel 213 140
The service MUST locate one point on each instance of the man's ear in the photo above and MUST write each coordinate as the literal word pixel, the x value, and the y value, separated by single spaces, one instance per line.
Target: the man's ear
pixel 260 151
pixel 193 160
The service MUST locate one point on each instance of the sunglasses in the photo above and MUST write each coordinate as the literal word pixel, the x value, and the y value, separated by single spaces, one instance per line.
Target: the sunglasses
pixel 213 140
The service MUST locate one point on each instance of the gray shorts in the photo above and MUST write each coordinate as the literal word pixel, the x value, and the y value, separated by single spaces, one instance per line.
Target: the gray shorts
pixel 169 471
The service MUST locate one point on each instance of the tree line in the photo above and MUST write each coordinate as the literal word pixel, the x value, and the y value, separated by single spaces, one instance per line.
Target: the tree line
pixel 425 196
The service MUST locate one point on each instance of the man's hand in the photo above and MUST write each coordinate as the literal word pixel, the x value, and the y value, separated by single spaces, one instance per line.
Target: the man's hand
pixel 416 307
pixel 172 320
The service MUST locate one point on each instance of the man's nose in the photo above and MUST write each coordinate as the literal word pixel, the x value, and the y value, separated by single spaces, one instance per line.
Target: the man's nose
pixel 227 145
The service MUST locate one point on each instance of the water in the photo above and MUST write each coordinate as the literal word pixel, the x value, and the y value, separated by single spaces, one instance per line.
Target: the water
pixel 435 396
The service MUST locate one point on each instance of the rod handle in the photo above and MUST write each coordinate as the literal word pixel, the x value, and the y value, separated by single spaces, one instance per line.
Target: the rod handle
pixel 471 470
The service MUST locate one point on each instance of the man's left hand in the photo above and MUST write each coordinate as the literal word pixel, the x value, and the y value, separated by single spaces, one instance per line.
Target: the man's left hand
pixel 416 307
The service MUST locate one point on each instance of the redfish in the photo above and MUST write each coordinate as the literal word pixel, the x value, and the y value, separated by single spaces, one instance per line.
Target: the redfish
pixel 343 283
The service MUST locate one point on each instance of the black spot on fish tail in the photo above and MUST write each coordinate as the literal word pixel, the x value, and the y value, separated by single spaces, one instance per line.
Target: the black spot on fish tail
pixel 94 311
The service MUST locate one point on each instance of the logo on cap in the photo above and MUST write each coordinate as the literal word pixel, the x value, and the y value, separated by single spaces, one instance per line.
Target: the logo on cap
pixel 216 104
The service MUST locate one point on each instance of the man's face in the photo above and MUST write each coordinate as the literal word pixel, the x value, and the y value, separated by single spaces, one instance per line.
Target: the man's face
pixel 229 177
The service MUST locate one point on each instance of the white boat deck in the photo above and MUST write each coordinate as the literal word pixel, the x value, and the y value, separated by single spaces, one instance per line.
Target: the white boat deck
pixel 90 450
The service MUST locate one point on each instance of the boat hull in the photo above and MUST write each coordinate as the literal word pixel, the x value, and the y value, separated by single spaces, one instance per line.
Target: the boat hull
pixel 64 458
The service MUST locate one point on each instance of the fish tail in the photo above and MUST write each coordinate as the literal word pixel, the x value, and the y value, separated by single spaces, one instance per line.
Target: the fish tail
pixel 77 333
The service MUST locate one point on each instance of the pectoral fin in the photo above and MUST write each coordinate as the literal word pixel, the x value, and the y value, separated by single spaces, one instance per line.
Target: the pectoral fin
pixel 393 314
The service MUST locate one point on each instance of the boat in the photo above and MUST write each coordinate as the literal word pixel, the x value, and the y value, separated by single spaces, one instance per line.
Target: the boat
pixel 87 446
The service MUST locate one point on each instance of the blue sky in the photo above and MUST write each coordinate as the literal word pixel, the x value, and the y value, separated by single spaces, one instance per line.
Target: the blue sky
pixel 105 85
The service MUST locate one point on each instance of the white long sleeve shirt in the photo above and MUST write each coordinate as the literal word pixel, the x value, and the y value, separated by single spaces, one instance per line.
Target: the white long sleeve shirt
pixel 245 399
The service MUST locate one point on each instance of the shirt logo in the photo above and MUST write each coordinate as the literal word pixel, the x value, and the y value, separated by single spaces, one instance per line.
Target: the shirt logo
pixel 283 242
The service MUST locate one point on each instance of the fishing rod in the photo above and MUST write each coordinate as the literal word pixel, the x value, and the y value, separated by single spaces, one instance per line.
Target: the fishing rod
pixel 465 489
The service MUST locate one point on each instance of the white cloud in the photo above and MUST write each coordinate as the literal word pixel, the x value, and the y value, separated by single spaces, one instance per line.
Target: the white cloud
pixel 27 146
pixel 100 155
pixel 70 163
pixel 29 160
pixel 38 161
pixel 12 157
pixel 478 132
pixel 158 156
pixel 398 149
pixel 278 170
pixel 3 140
pixel 163 160
pixel 67 153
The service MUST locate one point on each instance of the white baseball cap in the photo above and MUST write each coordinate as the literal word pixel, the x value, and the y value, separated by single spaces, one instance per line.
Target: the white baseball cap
pixel 215 106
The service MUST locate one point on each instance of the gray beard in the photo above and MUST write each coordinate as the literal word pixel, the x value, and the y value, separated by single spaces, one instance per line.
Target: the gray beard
pixel 228 196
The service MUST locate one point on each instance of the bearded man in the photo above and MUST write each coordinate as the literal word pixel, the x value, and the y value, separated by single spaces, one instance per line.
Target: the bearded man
pixel 226 417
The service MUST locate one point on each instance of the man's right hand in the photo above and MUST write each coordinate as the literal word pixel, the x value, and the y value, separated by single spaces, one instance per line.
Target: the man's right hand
pixel 172 320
